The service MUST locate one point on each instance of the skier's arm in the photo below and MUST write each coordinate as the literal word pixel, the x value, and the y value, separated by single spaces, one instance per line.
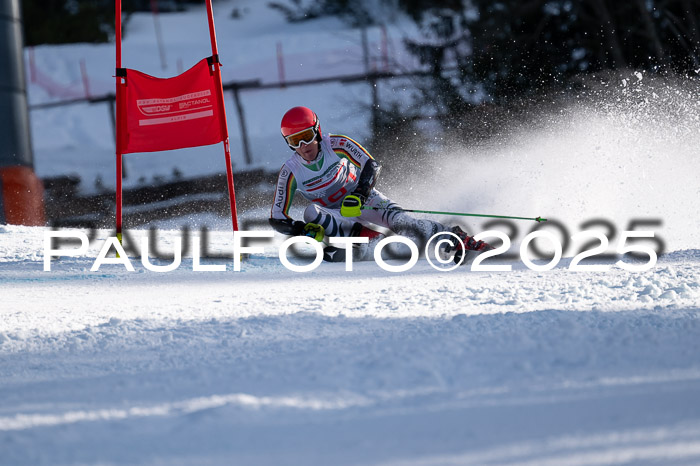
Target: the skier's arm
pixel 284 194
pixel 358 155
pixel 368 178
pixel 280 221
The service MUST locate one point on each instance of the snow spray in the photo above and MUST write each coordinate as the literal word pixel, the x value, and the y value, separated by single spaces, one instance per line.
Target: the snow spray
pixel 622 150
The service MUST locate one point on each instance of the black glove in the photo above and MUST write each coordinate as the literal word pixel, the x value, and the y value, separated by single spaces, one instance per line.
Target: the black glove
pixel 287 226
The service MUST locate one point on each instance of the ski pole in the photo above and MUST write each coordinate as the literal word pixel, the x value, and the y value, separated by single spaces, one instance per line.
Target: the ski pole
pixel 537 219
pixel 352 207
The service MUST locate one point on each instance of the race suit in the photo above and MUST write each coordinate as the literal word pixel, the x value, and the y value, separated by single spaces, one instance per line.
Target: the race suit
pixel 334 174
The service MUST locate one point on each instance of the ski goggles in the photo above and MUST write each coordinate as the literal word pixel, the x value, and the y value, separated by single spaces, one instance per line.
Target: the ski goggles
pixel 305 136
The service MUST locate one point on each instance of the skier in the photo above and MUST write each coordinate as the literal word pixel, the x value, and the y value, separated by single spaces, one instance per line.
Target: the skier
pixel 325 169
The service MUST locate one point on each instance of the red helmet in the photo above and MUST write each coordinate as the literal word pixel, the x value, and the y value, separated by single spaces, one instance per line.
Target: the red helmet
pixel 298 119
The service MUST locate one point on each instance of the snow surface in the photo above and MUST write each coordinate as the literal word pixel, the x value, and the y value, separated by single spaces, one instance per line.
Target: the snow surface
pixel 267 366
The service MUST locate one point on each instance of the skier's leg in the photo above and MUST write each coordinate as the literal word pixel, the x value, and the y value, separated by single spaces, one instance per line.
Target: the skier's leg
pixel 401 223
pixel 418 229
pixel 330 219
pixel 337 225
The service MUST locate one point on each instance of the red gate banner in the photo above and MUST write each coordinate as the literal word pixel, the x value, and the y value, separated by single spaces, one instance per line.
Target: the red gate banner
pixel 166 114
pixel 155 114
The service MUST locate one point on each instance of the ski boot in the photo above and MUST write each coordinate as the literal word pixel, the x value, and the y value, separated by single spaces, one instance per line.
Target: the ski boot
pixel 359 251
pixel 469 243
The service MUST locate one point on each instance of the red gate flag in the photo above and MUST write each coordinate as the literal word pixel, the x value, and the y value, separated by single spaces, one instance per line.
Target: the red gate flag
pixel 166 114
pixel 155 114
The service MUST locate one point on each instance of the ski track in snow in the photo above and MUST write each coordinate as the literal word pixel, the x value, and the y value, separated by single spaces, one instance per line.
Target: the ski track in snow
pixel 267 366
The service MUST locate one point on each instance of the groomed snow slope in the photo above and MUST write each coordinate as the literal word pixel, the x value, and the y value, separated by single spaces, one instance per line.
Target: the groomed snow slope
pixel 265 366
